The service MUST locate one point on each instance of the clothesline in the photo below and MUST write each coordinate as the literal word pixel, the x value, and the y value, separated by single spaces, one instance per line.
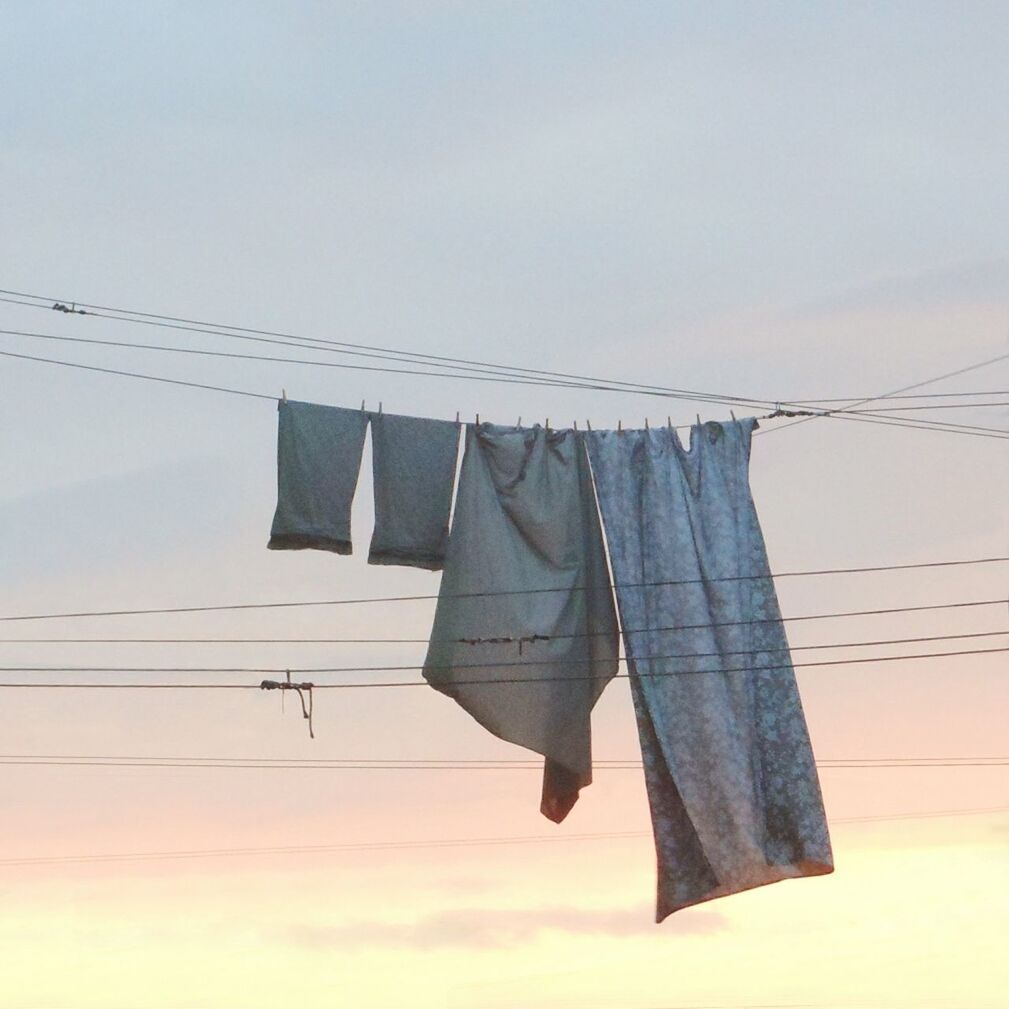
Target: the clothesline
pixel 782 410
pixel 48 303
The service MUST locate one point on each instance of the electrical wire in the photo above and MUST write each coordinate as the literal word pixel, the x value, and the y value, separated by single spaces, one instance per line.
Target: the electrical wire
pixel 384 353
pixel 521 663
pixel 494 682
pixel 867 418
pixel 425 641
pixel 819 572
pixel 253 763
pixel 486 372
pixel 219 329
pixel 446 843
pixel 303 641
pixel 906 388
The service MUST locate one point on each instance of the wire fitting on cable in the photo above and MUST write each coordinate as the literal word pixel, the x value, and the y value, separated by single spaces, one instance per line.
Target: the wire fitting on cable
pixel 303 690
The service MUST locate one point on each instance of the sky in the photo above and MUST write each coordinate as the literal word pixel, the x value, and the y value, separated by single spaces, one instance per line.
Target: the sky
pixel 778 201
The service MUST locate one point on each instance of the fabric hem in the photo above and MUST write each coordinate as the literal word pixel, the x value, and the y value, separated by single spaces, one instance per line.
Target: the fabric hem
pixel 429 562
pixel 307 541
pixel 809 868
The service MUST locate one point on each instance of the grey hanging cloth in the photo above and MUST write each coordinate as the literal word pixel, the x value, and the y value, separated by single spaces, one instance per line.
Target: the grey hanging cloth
pixel 413 463
pixel 731 780
pixel 525 596
pixel 318 459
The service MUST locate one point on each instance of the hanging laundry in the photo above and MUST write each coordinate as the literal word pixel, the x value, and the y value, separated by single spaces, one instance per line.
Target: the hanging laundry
pixel 413 463
pixel 731 780
pixel 525 632
pixel 318 459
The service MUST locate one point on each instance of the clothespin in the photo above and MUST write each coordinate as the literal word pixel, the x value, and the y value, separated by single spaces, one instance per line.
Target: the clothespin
pixel 380 406
pixel 548 424
pixel 283 395
pixel 518 423
pixel 457 416
pixel 588 424
pixel 362 406
pixel 732 414
pixel 698 420
pixel 478 420
pixel 669 421
pixel 575 424
pixel 620 427
pixel 646 424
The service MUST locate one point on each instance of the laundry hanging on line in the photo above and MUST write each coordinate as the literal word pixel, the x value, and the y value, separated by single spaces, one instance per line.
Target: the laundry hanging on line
pixel 729 770
pixel 525 516
pixel 526 598
pixel 319 451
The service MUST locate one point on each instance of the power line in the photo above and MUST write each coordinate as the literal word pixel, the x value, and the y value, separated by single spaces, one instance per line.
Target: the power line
pixel 253 763
pixel 219 329
pixel 931 406
pixel 496 681
pixel 481 377
pixel 907 388
pixel 485 375
pixel 231 355
pixel 867 418
pixel 463 842
pixel 870 569
pixel 425 641
pixel 136 374
pixel 917 395
pixel 385 353
pixel 422 641
pixel 520 663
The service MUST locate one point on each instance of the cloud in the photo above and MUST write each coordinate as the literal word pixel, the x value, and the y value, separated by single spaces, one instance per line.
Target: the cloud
pixel 495 928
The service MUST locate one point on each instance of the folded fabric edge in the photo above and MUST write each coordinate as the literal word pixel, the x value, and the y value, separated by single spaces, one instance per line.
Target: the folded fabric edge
pixel 430 562
pixel 800 870
pixel 306 541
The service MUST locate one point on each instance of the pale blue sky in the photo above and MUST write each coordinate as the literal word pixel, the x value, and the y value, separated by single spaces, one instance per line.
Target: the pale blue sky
pixel 779 200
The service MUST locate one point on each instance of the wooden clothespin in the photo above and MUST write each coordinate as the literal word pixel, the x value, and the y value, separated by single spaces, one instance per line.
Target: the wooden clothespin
pixel 698 420
pixel 518 423
pixel 620 427
pixel 575 423
pixel 547 426
pixel 732 414
pixel 478 420
pixel 646 424
pixel 457 416
pixel 380 406
pixel 588 424
pixel 362 406
pixel 669 421
pixel 283 395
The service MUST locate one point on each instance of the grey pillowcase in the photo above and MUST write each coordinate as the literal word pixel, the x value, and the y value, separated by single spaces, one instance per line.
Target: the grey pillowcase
pixel 319 452
pixel 413 464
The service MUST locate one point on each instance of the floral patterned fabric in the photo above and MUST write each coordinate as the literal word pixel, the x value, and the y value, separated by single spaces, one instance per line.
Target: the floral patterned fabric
pixel 731 780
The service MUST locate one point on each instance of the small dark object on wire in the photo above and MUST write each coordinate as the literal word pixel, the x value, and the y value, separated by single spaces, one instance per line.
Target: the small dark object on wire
pixel 301 689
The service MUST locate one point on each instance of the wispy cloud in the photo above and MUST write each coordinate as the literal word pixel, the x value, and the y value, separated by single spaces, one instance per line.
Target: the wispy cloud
pixel 494 928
